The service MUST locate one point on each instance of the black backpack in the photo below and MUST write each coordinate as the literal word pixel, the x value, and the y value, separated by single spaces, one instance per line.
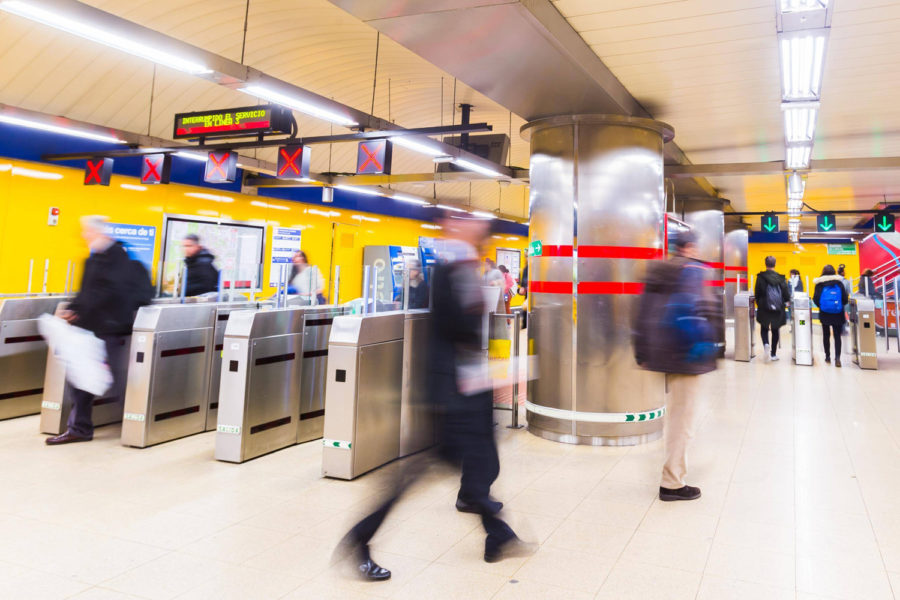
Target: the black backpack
pixel 140 288
pixel 774 299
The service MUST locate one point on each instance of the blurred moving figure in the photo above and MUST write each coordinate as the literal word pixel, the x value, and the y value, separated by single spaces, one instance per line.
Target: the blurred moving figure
pixel 866 285
pixel 673 334
pixel 418 289
pixel 831 296
pixel 202 276
pixel 523 291
pixel 306 279
pixel 509 284
pixel 463 403
pixel 795 282
pixel 105 306
pixel 771 292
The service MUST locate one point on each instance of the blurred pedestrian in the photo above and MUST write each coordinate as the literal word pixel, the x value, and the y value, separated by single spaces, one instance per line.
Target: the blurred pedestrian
pixel 771 292
pixel 418 288
pixel 463 406
pixel 796 283
pixel 831 296
pixel 509 284
pixel 105 306
pixel 673 334
pixel 202 276
pixel 307 280
pixel 866 285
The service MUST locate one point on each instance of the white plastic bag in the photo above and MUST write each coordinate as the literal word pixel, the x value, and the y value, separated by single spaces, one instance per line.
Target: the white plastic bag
pixel 83 354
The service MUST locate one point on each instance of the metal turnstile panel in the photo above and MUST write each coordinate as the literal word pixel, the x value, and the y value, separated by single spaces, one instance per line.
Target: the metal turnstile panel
pixel 377 436
pixel 340 422
pixel 416 414
pixel 744 326
pixel 316 332
pixel 801 329
pixel 23 354
pixel 273 390
pixel 862 330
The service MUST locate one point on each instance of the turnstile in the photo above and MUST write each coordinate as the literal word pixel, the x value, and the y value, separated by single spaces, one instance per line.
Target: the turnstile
pixel 223 312
pixel 416 414
pixel 801 329
pixel 23 353
pixel 744 326
pixel 272 386
pixel 363 394
pixel 862 332
pixel 168 373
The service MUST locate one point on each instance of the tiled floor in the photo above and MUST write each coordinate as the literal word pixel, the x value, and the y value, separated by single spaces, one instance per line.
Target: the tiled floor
pixel 800 470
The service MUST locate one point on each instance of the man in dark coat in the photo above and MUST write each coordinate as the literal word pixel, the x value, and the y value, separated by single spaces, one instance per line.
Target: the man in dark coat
pixel 463 406
pixel 202 276
pixel 676 286
pixel 771 292
pixel 105 308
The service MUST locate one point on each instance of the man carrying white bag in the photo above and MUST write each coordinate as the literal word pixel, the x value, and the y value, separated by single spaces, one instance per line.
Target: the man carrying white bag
pixel 113 287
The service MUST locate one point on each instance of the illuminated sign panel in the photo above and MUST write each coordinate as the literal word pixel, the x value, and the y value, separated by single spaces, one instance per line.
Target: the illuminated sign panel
pixel 233 122
pixel 373 157
pixel 97 171
pixel 156 168
pixel 769 223
pixel 221 167
pixel 825 222
pixel 293 162
pixel 884 223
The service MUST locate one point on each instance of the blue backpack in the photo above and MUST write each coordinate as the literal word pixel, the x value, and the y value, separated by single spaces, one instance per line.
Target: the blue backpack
pixel 691 333
pixel 831 301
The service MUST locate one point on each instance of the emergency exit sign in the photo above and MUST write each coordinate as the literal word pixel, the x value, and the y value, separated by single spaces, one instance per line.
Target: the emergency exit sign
pixel 884 223
pixel 826 222
pixel 770 223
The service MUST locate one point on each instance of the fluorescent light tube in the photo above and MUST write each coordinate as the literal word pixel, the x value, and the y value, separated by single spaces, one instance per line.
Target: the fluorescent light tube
pixel 450 208
pixel 360 190
pixel 80 133
pixel 107 38
pixel 131 186
pixel 298 105
pixel 818 233
pixel 803 5
pixel 35 174
pixel 430 226
pixel 797 157
pixel 483 214
pixel 193 156
pixel 422 147
pixel 802 63
pixel 409 199
pixel 212 197
pixel 465 164
pixel 800 121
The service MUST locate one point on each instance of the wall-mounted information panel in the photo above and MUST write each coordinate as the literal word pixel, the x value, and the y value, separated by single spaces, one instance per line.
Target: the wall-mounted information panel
pixel 233 122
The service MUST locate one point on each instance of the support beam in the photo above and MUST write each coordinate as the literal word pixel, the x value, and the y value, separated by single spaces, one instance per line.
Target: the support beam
pixel 827 165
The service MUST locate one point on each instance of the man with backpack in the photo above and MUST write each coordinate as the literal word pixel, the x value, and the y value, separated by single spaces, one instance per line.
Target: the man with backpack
pixel 112 289
pixel 831 296
pixel 772 292
pixel 673 334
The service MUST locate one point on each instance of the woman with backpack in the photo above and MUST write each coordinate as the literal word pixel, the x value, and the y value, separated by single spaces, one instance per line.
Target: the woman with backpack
pixel 831 296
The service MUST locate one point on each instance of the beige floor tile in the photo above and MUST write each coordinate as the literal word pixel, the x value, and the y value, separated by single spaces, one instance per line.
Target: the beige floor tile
pixel 603 541
pixel 240 583
pixel 469 554
pixel 833 577
pixel 520 589
pixel 300 557
pixel 638 494
pixel 638 581
pixel 440 581
pixel 670 518
pixel 167 577
pixel 720 588
pixel 752 564
pixel 549 504
pixel 101 593
pixel 236 544
pixel 316 590
pixel 608 512
pixel 37 585
pixel 760 536
pixel 343 577
pixel 574 570
pixel 667 551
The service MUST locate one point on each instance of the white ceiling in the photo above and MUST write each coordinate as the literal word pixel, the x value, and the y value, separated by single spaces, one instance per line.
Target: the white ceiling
pixel 310 43
pixel 710 68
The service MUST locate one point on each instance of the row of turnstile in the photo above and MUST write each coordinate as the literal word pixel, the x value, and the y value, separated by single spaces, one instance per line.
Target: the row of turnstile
pixel 257 375
pixel 862 329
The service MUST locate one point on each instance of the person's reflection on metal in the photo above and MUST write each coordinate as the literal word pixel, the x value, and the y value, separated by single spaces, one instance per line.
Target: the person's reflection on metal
pixel 462 400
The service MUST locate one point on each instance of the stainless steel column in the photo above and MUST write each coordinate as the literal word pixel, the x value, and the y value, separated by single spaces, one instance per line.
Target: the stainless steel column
pixel 736 239
pixel 599 177
pixel 707 220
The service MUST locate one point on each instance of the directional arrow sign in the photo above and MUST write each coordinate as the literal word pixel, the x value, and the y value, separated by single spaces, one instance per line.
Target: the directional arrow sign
pixel 884 223
pixel 770 223
pixel 825 222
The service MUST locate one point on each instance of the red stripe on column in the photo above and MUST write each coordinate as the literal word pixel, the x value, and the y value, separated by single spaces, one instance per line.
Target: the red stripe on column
pixel 714 265
pixel 740 269
pixel 556 251
pixel 610 287
pixel 550 287
pixel 714 283
pixel 619 252
pixel 734 279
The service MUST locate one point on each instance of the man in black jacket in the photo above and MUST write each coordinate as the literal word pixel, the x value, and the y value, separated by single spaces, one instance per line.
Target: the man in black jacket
pixel 771 293
pixel 202 276
pixel 105 308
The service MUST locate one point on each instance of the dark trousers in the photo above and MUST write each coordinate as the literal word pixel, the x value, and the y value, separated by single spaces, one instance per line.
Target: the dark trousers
pixel 827 329
pixel 80 420
pixel 776 335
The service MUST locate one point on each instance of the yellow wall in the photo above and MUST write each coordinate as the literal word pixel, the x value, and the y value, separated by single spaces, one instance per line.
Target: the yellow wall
pixel 806 258
pixel 24 233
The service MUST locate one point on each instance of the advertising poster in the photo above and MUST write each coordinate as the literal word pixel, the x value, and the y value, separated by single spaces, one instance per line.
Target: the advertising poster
pixel 285 242
pixel 139 241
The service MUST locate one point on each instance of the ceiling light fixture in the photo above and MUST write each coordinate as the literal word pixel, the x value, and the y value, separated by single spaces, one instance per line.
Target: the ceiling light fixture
pixel 450 208
pixel 413 143
pixel 409 199
pixel 80 133
pixel 803 5
pixel 802 63
pixel 193 156
pixel 360 190
pixel 95 34
pixel 469 165
pixel 298 105
pixel 797 156
pixel 800 121
pixel 430 226
pixel 484 215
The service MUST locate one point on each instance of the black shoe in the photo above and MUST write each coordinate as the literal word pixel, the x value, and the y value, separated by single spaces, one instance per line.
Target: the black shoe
pixel 683 493
pixel 837 362
pixel 493 507
pixel 509 549
pixel 369 570
pixel 66 438
pixel 828 359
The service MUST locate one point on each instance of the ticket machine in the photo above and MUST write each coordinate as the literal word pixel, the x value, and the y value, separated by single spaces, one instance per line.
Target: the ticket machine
pixel 862 332
pixel 388 266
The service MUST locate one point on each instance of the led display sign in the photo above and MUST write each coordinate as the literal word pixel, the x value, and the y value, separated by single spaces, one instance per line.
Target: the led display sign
pixel 233 122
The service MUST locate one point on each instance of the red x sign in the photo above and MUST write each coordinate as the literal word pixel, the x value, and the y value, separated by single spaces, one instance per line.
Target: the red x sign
pixel 98 171
pixel 221 167
pixel 293 162
pixel 156 168
pixel 373 157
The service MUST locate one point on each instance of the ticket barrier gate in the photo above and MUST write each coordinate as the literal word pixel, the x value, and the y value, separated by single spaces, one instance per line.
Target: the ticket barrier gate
pixel 363 394
pixel 167 395
pixel 801 329
pixel 416 416
pixel 23 353
pixel 272 386
pixel 862 332
pixel 744 326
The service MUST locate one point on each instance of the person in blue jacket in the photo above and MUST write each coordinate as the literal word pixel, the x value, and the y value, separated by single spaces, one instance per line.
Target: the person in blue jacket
pixel 831 296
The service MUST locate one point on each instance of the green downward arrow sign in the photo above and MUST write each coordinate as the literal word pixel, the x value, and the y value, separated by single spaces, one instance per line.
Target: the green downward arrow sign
pixel 884 225
pixel 826 226
pixel 769 226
